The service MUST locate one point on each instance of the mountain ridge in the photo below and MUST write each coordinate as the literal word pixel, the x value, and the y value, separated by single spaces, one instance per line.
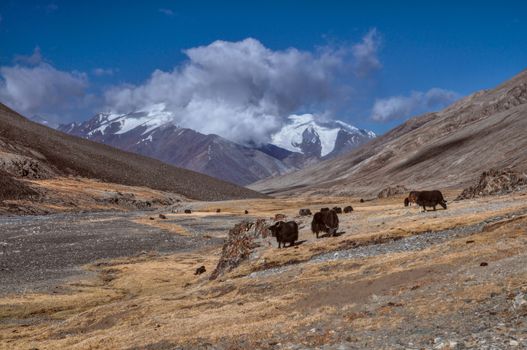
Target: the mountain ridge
pixel 152 132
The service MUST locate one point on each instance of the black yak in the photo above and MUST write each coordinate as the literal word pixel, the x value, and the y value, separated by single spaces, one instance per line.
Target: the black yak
pixel 325 221
pixel 285 232
pixel 430 199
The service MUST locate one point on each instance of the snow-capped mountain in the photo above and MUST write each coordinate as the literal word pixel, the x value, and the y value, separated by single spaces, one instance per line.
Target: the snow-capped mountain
pixel 152 132
pixel 319 139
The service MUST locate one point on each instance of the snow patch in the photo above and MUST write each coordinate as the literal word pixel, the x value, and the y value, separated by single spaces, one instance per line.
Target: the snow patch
pixel 290 136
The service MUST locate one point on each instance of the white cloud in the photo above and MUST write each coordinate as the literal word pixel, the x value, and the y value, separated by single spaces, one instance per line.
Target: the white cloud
pixel 34 59
pixel 166 11
pixel 103 72
pixel 398 107
pixel 239 90
pixel 41 89
pixel 365 53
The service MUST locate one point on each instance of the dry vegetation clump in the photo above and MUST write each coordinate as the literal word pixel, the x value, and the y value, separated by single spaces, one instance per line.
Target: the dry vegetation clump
pixel 392 191
pixel 495 182
pixel 242 240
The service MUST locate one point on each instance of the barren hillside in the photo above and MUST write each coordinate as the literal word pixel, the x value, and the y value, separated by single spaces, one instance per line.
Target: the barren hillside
pixel 32 151
pixel 445 149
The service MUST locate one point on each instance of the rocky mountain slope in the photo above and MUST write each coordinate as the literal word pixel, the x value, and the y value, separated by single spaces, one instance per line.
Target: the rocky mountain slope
pixel 32 151
pixel 151 132
pixel 449 148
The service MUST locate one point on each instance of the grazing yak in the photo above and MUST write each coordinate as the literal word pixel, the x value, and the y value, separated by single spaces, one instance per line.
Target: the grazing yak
pixel 430 199
pixel 304 212
pixel 324 209
pixel 412 198
pixel 188 211
pixel 348 209
pixel 337 210
pixel 325 221
pixel 285 232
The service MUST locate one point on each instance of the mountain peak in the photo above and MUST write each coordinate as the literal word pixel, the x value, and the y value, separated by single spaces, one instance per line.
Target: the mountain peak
pixel 304 129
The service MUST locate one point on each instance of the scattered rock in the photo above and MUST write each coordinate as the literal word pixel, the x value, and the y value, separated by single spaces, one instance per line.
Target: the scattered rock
pixel 484 264
pixel 469 241
pixel 495 182
pixel 200 270
pixel 362 200
pixel 246 212
pixel 304 212
pixel 279 217
pixel 152 218
pixel 188 211
pixel 218 210
pixel 392 191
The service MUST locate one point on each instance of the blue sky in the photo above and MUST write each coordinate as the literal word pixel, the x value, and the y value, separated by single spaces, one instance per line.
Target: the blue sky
pixel 455 48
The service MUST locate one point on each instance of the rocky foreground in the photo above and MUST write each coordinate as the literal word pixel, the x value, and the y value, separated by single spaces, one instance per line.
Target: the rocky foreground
pixel 397 278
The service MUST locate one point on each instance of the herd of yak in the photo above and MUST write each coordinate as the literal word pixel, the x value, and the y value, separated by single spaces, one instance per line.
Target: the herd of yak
pixel 327 220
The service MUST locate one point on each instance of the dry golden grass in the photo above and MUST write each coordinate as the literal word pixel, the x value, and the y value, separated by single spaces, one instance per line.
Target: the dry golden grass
pixel 65 194
pixel 147 299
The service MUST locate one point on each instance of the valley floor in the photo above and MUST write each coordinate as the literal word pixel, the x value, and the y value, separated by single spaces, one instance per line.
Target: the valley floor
pixel 397 278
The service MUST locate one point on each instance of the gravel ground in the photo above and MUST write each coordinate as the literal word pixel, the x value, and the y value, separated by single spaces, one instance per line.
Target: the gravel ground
pixel 40 251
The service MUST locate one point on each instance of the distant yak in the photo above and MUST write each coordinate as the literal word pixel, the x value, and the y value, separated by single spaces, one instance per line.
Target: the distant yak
pixel 337 210
pixel 348 209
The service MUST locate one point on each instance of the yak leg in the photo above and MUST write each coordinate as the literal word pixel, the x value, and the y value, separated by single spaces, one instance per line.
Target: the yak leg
pixel 435 207
pixel 424 208
pixel 279 244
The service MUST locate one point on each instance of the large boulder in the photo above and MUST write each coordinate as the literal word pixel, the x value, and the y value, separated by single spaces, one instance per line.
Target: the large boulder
pixel 243 239
pixel 494 182
pixel 392 191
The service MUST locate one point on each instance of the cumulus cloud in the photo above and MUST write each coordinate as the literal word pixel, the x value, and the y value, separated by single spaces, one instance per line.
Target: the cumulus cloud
pixel 398 107
pixel 366 53
pixel 166 11
pixel 239 90
pixel 39 88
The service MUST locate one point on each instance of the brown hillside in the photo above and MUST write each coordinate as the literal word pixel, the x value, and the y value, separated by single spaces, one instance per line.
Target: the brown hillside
pixel 31 150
